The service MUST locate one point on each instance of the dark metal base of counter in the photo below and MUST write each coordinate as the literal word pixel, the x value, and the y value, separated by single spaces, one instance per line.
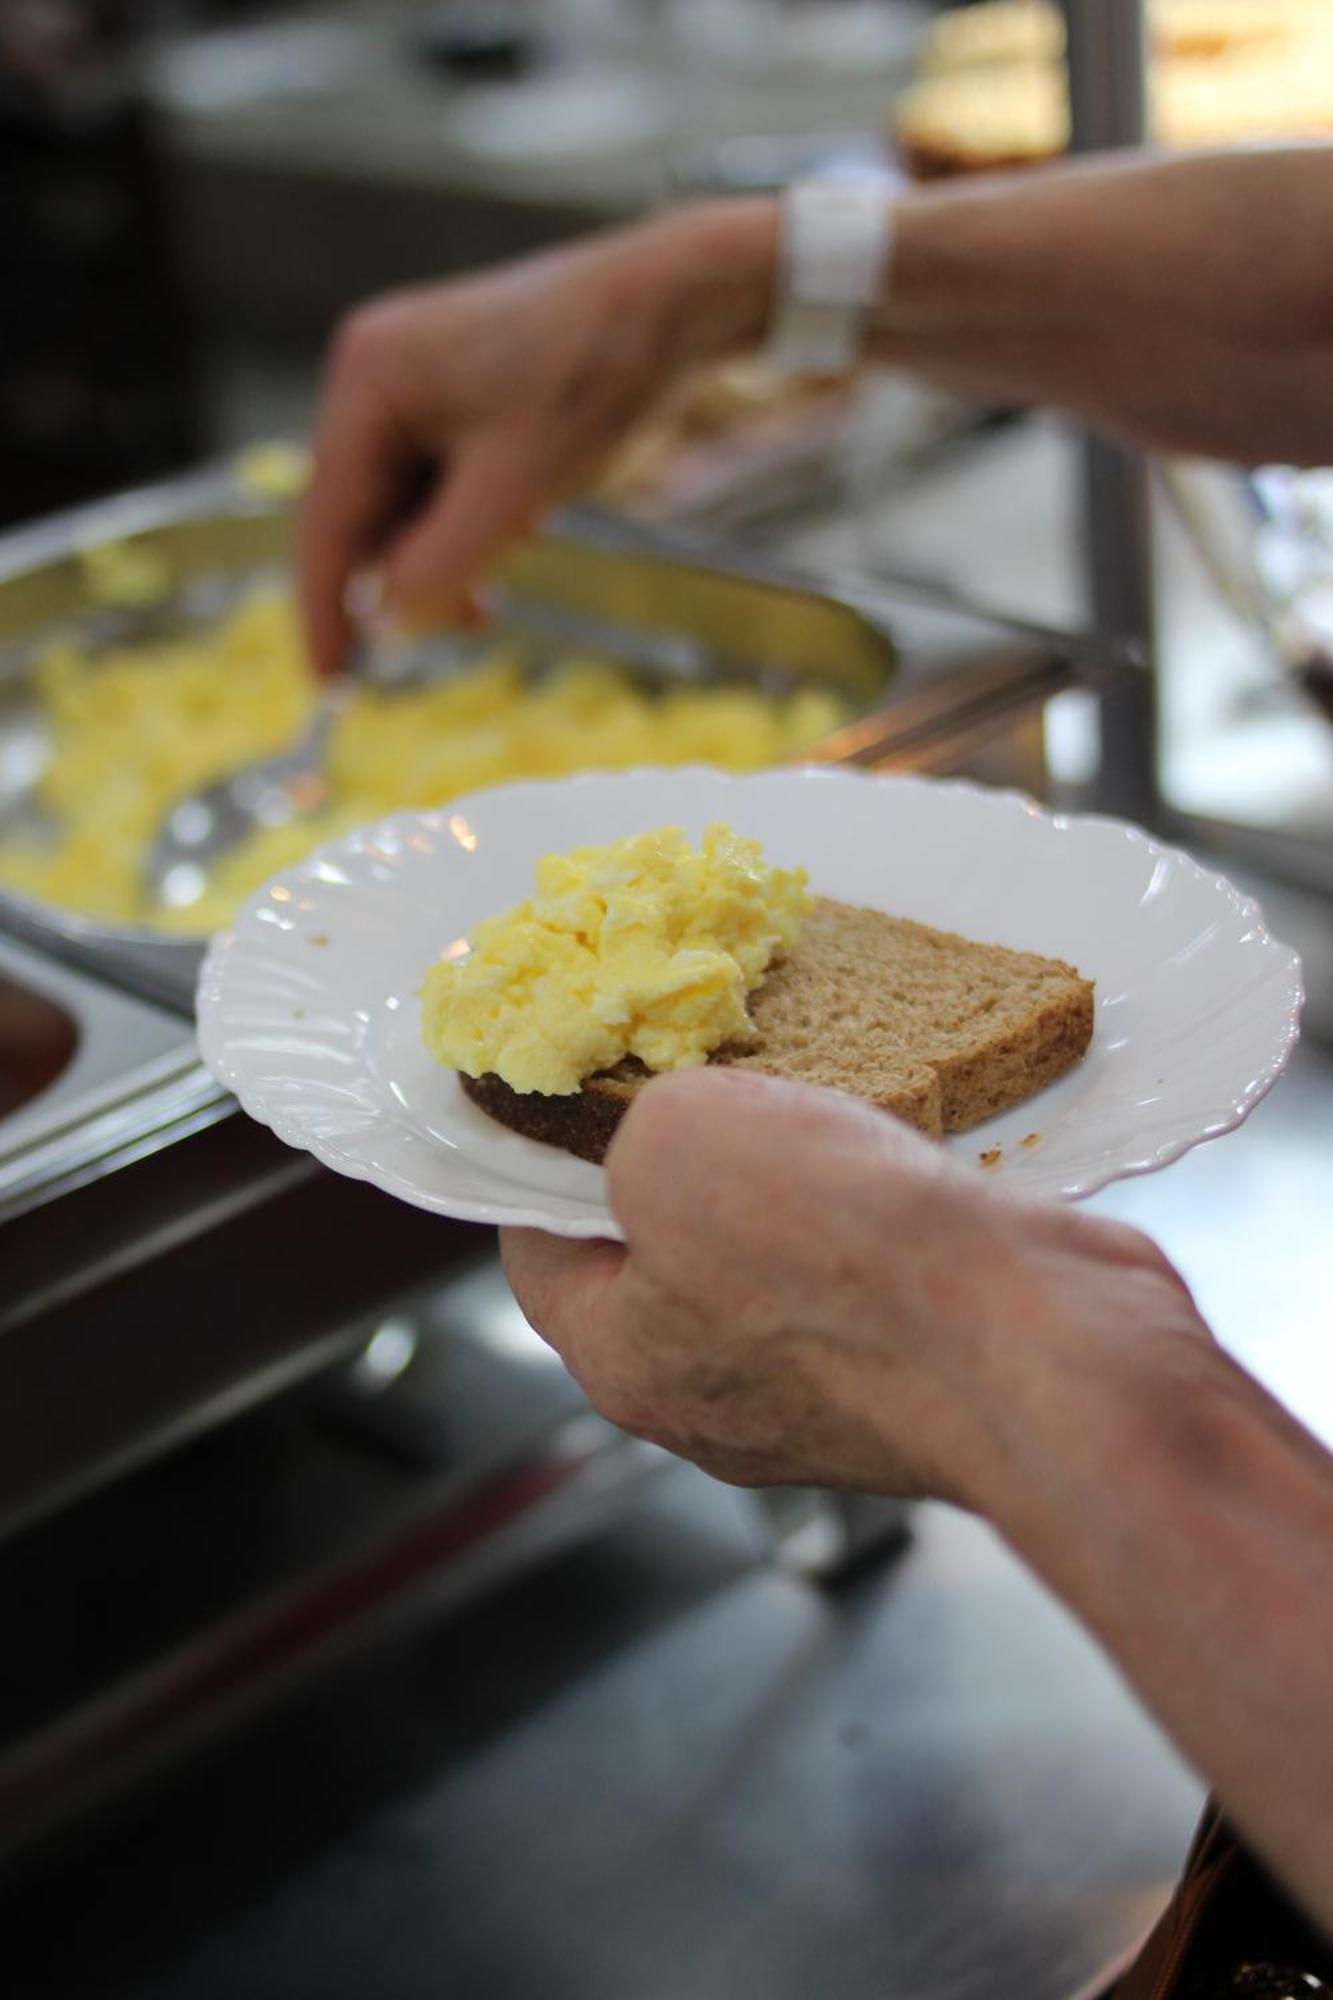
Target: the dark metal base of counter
pixel 661 1768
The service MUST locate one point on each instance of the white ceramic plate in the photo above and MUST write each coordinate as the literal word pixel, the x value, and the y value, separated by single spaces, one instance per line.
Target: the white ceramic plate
pixel 308 1006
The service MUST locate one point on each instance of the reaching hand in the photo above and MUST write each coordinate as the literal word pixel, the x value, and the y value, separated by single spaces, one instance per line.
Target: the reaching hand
pixel 456 416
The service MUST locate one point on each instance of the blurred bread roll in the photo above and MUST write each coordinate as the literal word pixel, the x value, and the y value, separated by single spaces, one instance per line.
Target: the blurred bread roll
pixel 1224 72
pixel 727 403
pixel 996 31
pixel 1033 31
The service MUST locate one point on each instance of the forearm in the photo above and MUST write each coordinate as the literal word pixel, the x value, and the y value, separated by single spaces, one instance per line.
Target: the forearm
pixel 1188 1521
pixel 1128 293
pixel 1185 304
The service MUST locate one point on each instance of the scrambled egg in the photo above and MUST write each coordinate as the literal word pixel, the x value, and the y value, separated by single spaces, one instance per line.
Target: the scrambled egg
pixel 645 948
pixel 125 575
pixel 276 471
pixel 137 727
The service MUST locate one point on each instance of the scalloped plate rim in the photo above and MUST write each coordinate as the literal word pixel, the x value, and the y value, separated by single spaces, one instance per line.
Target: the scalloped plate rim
pixel 254 1096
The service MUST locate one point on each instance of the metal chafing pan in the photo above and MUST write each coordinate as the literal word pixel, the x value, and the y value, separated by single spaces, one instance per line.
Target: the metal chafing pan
pixel 923 674
pixel 934 684
pixel 665 619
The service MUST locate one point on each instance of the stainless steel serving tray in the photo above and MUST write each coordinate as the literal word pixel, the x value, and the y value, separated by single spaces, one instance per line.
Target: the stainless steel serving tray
pixel 665 618
pixel 114 1055
pixel 925 674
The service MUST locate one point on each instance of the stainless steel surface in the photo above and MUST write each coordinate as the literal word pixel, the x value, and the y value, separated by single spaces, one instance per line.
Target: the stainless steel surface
pixel 164 1103
pixel 660 1769
pixel 124 1054
pixel 1107 54
pixel 1265 540
pixel 830 1537
pixel 448 1452
pixel 1118 528
pixel 1107 51
pixel 38 1039
pixel 204 825
pixel 677 606
pixel 450 1538
pixel 197 1275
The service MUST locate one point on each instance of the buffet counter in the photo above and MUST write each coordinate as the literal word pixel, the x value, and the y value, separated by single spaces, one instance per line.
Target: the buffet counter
pixel 168 1264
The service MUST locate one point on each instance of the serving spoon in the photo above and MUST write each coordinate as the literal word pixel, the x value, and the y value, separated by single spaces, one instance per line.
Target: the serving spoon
pixel 292 784
pixel 204 825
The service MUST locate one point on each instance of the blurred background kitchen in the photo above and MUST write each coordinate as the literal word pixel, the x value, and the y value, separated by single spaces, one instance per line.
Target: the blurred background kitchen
pixel 345 1653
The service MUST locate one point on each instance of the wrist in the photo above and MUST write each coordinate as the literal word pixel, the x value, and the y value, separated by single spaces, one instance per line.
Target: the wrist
pixel 711 269
pixel 1060 1341
pixel 1087 1378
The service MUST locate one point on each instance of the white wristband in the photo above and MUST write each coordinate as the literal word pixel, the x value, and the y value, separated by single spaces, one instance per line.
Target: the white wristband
pixel 837 241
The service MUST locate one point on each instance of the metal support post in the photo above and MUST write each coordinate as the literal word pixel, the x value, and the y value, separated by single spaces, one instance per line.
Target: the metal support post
pixel 1107 52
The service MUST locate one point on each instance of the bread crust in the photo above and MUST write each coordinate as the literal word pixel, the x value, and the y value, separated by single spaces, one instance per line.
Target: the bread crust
pixel 582 1122
pixel 947 1089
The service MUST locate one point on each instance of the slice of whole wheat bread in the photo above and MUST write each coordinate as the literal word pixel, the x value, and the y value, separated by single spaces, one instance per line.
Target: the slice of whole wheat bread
pixel 939 1031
